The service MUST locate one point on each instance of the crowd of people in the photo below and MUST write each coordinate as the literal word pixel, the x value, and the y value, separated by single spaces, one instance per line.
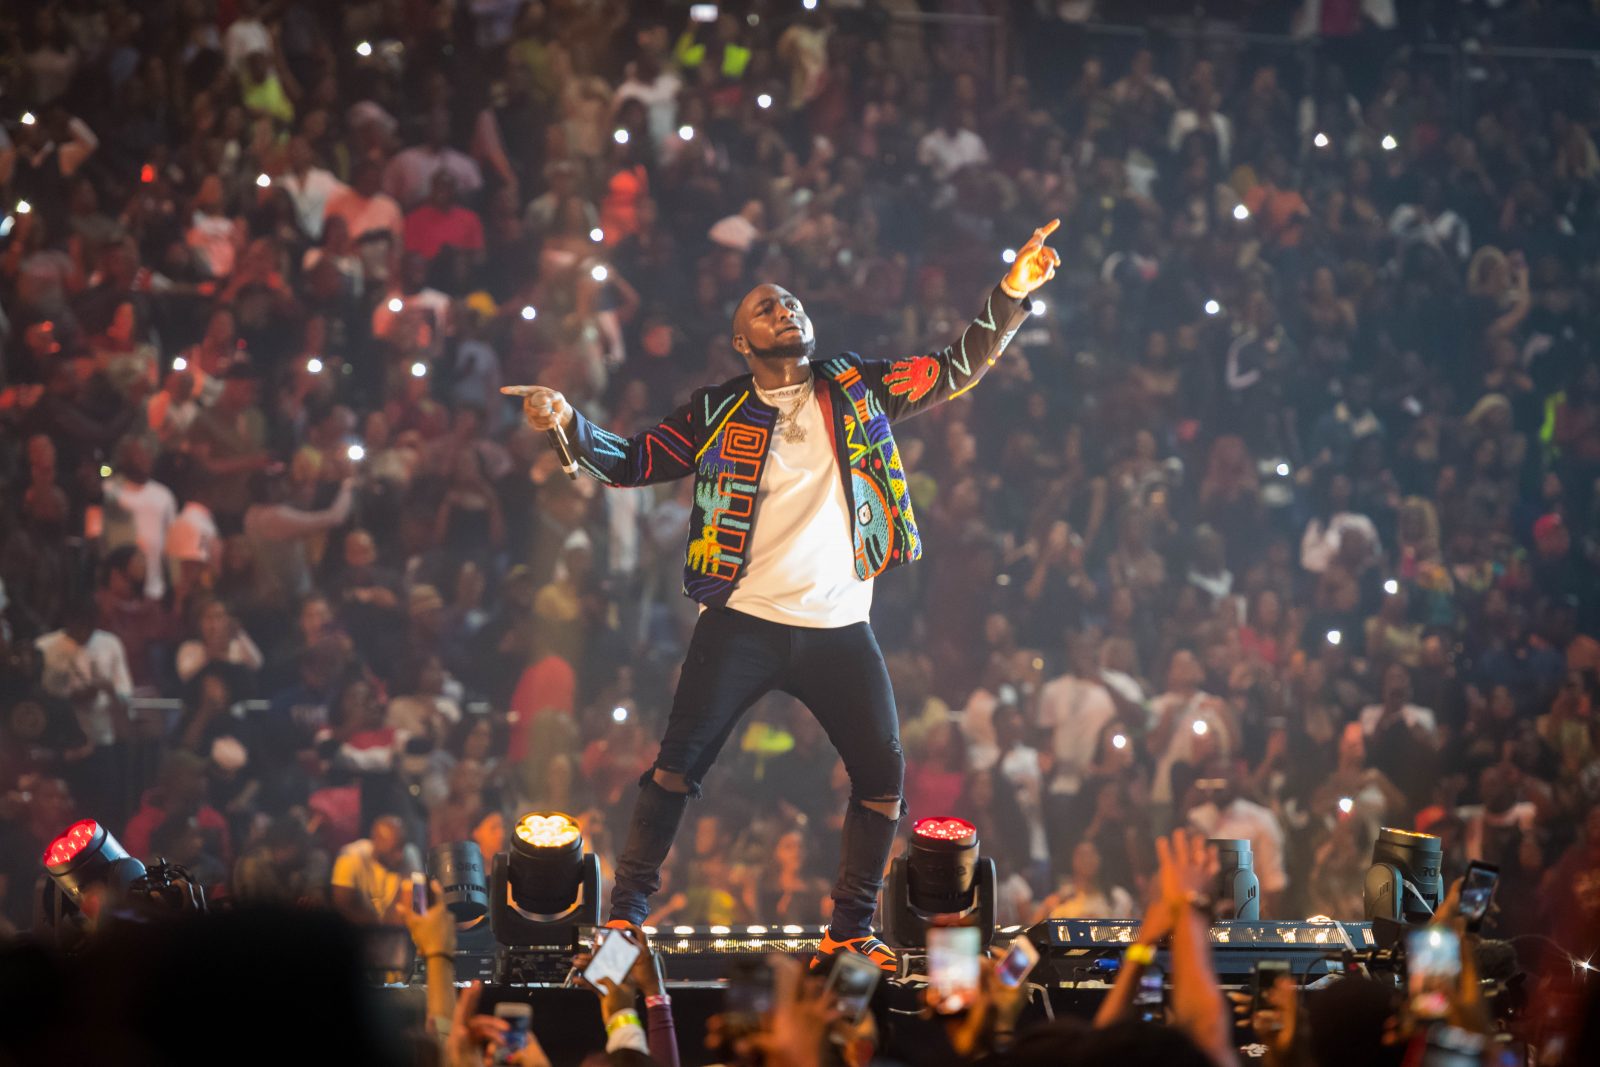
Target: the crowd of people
pixel 1280 520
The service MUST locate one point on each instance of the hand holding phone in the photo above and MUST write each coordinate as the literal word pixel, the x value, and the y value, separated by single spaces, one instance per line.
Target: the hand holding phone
pixel 519 1024
pixel 613 959
pixel 1018 961
pixel 953 968
pixel 1477 892
pixel 1433 970
pixel 851 983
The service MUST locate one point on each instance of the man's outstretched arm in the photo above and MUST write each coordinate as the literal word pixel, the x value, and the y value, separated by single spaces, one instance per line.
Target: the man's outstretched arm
pixel 660 454
pixel 906 387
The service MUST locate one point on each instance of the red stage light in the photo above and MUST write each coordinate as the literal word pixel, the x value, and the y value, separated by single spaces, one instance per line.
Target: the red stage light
pixel 946 828
pixel 74 840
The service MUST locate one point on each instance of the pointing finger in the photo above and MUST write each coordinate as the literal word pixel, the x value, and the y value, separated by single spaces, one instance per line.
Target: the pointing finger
pixel 520 390
pixel 1049 228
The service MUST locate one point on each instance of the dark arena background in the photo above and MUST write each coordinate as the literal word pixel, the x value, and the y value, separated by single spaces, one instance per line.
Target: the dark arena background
pixel 1247 683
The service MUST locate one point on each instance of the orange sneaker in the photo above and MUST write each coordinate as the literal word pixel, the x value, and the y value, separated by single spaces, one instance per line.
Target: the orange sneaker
pixel 866 945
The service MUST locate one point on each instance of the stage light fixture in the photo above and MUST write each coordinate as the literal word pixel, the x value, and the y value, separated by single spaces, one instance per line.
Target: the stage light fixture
pixel 1238 889
pixel 544 886
pixel 1403 884
pixel 940 881
pixel 86 855
pixel 458 868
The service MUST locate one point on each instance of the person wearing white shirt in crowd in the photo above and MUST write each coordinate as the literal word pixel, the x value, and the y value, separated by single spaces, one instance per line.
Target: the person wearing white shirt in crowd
pixel 1074 708
pixel 310 188
pixel 214 238
pixel 1085 895
pixel 1429 222
pixel 150 505
pixel 246 35
pixel 952 145
pixel 89 668
pixel 1189 726
pixel 1203 118
pixel 1225 814
pixel 409 176
pixel 194 548
pixel 221 640
pixel 657 89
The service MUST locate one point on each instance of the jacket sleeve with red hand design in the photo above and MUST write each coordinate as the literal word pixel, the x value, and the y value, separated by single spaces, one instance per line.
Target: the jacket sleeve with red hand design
pixel 910 386
pixel 664 452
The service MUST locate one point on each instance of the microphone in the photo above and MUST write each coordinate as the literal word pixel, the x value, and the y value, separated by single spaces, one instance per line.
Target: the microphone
pixel 558 441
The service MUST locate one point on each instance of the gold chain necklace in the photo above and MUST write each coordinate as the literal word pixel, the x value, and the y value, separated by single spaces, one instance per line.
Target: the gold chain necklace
pixel 789 419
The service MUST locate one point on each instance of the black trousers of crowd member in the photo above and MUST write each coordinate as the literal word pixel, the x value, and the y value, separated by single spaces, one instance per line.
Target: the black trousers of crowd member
pixel 734 660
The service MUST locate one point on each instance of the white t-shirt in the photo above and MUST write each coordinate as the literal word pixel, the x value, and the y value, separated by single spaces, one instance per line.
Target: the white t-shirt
pixel 1413 715
pixel 801 568
pixel 945 153
pixel 71 668
pixel 311 195
pixel 1182 746
pixel 1075 711
pixel 153 509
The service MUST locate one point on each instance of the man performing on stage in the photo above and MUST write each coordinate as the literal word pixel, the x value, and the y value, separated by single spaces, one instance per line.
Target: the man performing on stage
pixel 800 501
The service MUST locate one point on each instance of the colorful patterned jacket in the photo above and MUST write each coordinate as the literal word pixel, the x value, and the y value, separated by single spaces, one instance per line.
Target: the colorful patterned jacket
pixel 721 437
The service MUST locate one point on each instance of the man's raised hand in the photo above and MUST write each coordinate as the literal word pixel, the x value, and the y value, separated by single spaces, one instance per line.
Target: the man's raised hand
pixel 1036 262
pixel 543 408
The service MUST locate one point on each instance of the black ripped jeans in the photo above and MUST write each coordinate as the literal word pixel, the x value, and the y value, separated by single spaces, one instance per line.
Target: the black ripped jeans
pixel 734 660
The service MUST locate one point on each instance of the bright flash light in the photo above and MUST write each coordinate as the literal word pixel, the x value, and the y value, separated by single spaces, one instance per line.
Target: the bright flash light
pixel 1038 307
pixel 686 132
pixel 364 49
pixel 619 714
pixel 1334 637
pixel 263 180
pixel 1119 741
pixel 1346 805
pixel 179 363
pixel 809 5
pixel 28 119
pixel 1201 728
pixel 1389 143
pixel 528 313
pixel 1213 308
pixel 6 224
pixel 105 470
pixel 1241 212
pixel 1391 587
pixel 1584 965
pixel 620 136
pixel 356 453
pixel 23 207
pixel 1282 469
pixel 313 365
pixel 599 273
pixel 764 101
pixel 419 369
pixel 1008 256
pixel 597 235
pixel 396 305
pixel 1320 140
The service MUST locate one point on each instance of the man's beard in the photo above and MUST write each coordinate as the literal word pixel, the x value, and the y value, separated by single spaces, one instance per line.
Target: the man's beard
pixel 789 350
